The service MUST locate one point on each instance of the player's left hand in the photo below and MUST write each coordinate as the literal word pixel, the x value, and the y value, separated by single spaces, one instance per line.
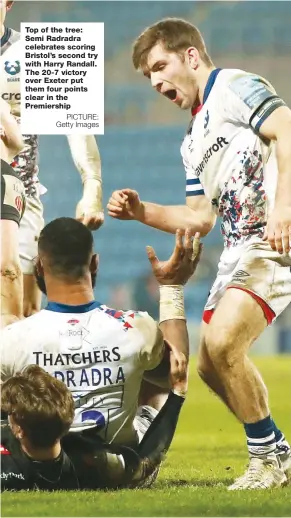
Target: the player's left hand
pixel 278 230
pixel 178 377
pixel 182 263
pixel 88 214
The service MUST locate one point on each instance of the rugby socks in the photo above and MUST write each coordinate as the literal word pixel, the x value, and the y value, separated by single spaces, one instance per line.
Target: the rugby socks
pixel 282 445
pixel 261 438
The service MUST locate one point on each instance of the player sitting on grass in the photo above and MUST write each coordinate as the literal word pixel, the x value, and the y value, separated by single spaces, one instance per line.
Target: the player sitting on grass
pixel 100 353
pixel 40 412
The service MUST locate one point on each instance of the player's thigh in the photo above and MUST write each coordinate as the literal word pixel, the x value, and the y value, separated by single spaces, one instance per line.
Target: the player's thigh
pixel 29 231
pixel 204 363
pixel 265 275
pixel 236 323
pixel 11 276
pixel 258 291
pixel 9 243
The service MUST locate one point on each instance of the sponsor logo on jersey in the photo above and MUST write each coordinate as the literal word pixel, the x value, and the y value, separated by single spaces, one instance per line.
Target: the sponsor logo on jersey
pixel 4 451
pixel 206 119
pixel 206 122
pixel 19 203
pixel 11 96
pixel 73 322
pixel 214 148
pixel 12 67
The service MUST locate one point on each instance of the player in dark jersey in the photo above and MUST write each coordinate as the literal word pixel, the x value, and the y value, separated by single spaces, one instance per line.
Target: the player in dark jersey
pixel 36 452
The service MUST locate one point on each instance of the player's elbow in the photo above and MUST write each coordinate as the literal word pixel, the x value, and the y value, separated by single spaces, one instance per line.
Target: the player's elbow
pixel 207 224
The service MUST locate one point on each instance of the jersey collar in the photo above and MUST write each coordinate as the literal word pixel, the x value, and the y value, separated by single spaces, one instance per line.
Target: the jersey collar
pixel 65 308
pixel 6 36
pixel 208 88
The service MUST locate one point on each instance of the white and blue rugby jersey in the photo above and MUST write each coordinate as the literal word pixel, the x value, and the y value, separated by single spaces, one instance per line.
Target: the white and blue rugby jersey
pixel 99 353
pixel 226 159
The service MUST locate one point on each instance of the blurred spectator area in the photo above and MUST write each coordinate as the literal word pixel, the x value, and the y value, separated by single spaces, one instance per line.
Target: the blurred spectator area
pixel 141 145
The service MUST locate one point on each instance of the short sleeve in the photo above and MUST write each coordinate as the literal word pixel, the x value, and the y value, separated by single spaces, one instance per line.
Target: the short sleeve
pixel 250 99
pixel 152 350
pixel 193 185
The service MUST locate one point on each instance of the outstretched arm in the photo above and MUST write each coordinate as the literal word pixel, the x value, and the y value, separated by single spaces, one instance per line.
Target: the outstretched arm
pixel 86 157
pixel 197 214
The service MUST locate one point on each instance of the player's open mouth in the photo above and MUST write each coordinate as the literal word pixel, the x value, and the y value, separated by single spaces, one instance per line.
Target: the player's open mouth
pixel 171 94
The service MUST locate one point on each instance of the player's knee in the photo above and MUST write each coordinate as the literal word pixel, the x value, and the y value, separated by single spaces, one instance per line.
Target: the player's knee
pixel 204 366
pixel 222 350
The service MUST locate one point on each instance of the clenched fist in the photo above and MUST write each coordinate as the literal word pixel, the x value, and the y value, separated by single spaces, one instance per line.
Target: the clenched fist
pixel 125 204
pixel 89 210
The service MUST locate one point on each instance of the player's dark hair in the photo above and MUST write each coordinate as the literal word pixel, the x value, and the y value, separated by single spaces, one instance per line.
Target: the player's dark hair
pixel 41 405
pixel 176 35
pixel 67 245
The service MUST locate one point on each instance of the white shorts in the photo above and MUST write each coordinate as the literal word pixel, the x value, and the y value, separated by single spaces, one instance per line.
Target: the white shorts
pixel 257 269
pixel 30 227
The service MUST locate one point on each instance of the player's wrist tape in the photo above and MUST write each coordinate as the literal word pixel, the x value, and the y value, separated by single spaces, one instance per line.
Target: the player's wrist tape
pixel 86 157
pixel 172 303
pixel 179 393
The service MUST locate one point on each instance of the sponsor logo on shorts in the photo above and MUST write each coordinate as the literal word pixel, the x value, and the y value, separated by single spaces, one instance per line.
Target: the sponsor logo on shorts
pixel 240 276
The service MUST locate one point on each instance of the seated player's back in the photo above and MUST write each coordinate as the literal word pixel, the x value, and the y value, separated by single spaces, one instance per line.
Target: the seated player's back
pixel 99 353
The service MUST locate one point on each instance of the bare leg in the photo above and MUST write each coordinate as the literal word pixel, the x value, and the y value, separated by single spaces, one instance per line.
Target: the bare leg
pixel 235 325
pixel 11 276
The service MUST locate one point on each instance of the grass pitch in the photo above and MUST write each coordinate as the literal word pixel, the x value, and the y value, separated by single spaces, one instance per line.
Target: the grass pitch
pixel 208 452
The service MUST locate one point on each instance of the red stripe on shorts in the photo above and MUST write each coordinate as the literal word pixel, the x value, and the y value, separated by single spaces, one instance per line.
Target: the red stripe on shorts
pixel 268 312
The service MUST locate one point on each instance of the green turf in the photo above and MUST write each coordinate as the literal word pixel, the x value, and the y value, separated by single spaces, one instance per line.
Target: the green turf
pixel 207 453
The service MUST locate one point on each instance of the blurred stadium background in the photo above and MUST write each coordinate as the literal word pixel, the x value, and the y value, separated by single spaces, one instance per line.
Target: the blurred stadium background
pixel 143 133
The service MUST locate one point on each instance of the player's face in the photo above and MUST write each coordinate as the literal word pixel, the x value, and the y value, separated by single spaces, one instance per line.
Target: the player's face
pixel 172 76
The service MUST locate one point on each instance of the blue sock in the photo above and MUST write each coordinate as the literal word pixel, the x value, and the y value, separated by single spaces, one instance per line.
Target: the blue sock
pixel 261 437
pixel 278 434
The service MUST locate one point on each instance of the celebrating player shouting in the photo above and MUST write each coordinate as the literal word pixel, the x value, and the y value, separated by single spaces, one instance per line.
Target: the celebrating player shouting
pixel 237 156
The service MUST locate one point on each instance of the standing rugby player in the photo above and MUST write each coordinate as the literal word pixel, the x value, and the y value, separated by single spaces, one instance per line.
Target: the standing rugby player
pixel 237 156
pixel 85 155
pixel 12 207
